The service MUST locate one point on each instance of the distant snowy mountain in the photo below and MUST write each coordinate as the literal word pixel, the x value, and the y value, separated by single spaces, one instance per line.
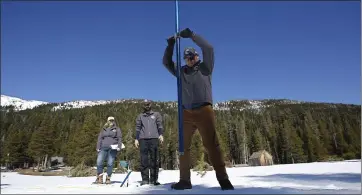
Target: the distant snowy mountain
pixel 20 104
pixel 84 103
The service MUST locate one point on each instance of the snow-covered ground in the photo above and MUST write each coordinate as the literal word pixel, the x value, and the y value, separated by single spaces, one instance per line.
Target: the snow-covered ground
pixel 332 178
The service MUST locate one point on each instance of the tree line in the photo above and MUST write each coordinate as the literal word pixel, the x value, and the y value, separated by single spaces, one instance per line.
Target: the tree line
pixel 290 132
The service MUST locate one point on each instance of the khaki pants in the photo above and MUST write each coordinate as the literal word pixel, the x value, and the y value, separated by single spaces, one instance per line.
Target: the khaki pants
pixel 202 119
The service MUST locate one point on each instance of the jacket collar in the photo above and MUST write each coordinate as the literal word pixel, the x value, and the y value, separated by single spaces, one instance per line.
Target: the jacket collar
pixel 195 67
pixel 148 113
pixel 110 128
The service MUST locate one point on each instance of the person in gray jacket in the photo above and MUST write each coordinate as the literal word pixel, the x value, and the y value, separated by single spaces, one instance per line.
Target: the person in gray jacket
pixel 108 144
pixel 198 113
pixel 149 130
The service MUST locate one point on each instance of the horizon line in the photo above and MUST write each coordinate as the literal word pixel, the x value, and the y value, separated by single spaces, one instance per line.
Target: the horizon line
pixel 215 102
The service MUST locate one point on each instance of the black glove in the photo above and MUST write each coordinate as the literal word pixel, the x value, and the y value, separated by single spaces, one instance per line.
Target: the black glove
pixel 171 40
pixel 186 33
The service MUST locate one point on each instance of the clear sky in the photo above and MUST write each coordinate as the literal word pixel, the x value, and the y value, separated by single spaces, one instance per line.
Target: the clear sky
pixel 63 51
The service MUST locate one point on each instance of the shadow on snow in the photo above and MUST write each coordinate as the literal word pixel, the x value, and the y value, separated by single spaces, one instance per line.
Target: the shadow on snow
pixel 202 189
pixel 239 189
pixel 340 177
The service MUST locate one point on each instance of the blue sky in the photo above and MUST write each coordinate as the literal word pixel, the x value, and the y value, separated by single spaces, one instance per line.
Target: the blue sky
pixel 63 51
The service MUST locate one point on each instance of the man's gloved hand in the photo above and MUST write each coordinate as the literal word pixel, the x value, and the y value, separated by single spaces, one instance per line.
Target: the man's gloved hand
pixel 186 33
pixel 98 150
pixel 160 138
pixel 136 143
pixel 118 149
pixel 171 40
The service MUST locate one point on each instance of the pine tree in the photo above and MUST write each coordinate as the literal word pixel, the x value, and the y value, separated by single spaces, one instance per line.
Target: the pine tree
pixel 296 148
pixel 15 148
pixel 41 142
pixel 308 143
pixel 85 141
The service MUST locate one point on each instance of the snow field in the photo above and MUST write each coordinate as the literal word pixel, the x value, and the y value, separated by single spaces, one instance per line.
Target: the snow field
pixel 309 178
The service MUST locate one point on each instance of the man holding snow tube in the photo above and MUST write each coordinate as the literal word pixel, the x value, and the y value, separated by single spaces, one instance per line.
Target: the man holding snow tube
pixel 197 106
pixel 109 142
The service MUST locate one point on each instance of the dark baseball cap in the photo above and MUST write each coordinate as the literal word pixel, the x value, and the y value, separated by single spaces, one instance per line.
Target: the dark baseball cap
pixel 190 52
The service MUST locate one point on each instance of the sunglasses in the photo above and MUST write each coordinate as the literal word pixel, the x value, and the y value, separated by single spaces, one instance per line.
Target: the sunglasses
pixel 189 54
pixel 189 57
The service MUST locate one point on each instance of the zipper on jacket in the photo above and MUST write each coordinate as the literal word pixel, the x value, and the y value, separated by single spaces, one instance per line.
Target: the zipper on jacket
pixel 148 121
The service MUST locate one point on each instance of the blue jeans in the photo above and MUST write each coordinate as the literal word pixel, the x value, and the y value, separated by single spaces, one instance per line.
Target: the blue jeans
pixel 102 155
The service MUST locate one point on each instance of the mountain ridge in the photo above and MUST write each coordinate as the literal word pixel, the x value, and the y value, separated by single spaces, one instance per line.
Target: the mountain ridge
pixel 22 104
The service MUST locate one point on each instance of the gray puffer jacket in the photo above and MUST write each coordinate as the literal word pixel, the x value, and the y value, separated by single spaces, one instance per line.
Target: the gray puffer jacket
pixel 109 136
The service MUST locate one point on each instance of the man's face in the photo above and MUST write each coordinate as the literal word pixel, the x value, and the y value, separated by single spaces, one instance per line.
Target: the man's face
pixel 190 56
pixel 111 122
pixel 147 106
pixel 190 61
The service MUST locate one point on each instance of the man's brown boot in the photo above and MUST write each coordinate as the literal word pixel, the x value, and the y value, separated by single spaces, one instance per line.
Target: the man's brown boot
pixel 99 179
pixel 225 184
pixel 182 185
pixel 108 180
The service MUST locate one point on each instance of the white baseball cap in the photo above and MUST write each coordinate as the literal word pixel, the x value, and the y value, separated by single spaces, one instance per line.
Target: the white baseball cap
pixel 110 118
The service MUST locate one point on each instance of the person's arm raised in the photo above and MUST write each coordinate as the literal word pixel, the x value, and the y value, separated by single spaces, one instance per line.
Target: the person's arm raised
pixel 207 52
pixel 167 56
